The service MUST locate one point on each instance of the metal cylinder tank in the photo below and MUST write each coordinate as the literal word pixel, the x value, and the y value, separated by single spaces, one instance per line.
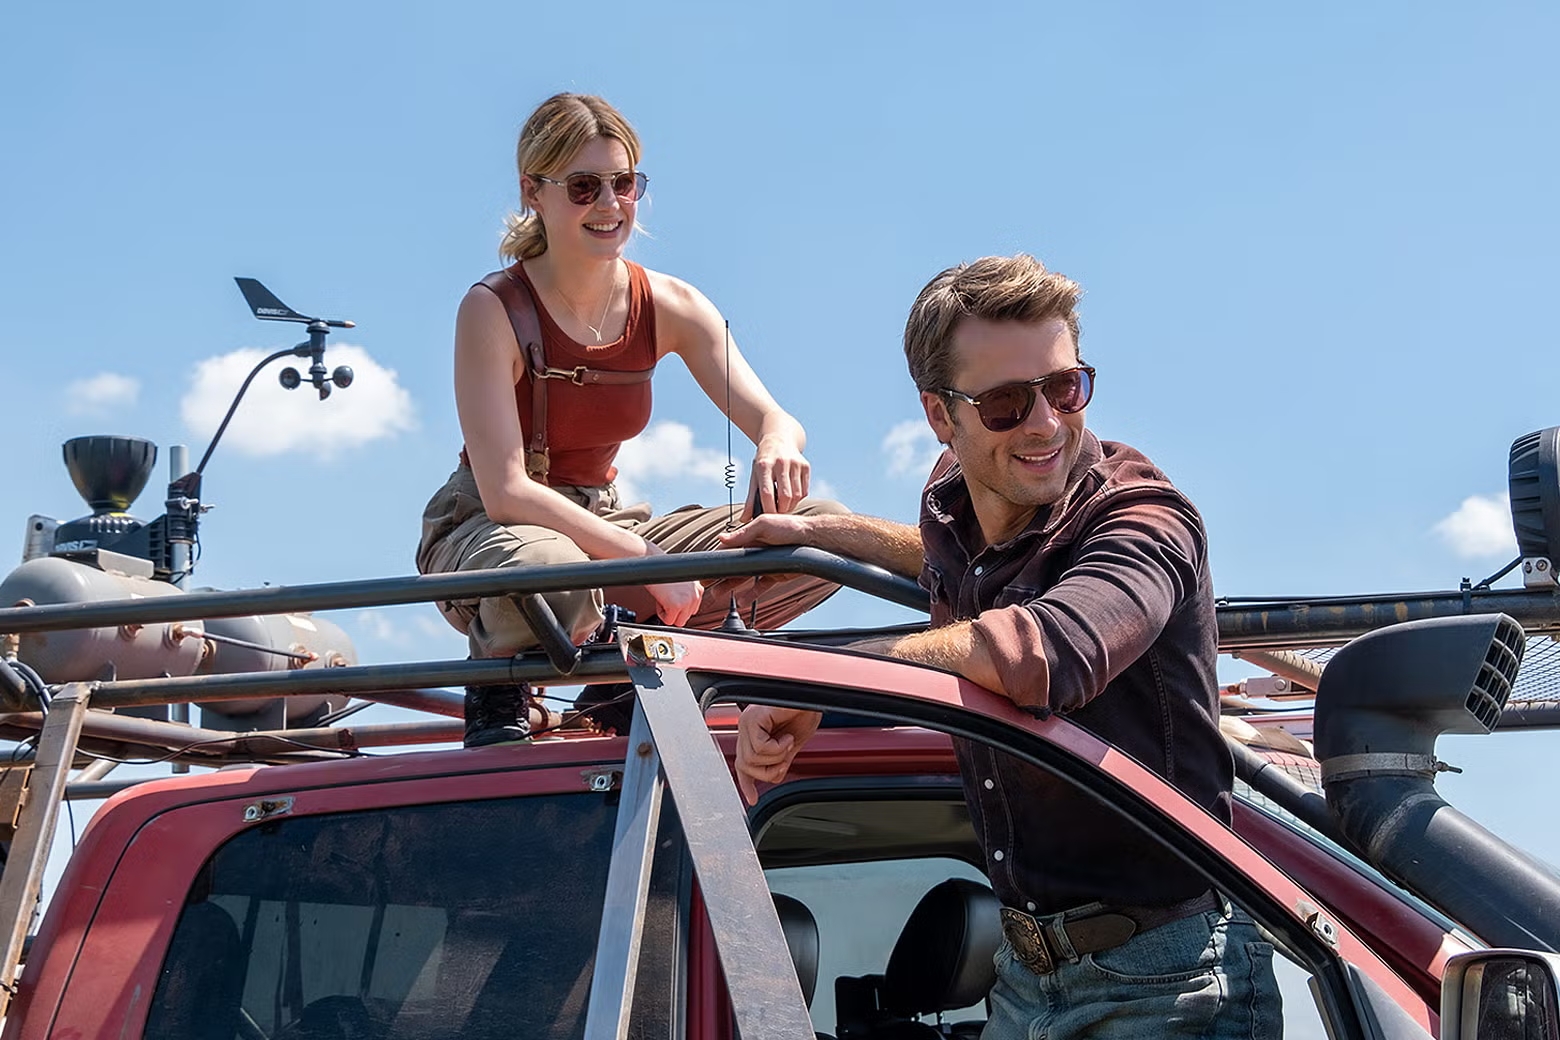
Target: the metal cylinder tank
pixel 81 655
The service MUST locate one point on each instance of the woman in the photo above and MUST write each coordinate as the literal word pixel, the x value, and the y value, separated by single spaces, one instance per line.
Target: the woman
pixel 538 492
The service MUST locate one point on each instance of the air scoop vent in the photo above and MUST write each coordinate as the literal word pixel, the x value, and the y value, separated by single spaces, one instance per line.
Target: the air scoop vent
pixel 1487 697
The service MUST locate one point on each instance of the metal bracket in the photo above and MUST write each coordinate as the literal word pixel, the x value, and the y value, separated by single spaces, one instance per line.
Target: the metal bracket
pixel 13 796
pixel 649 648
pixel 1383 763
pixel 1539 573
pixel 23 877
pixel 670 747
pixel 265 809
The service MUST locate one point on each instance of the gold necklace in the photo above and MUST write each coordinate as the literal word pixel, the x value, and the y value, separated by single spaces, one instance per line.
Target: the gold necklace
pixel 595 330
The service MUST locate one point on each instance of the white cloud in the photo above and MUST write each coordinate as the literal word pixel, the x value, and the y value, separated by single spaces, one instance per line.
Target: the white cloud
pixel 822 489
pixel 912 449
pixel 272 420
pixel 101 394
pixel 411 632
pixel 379 625
pixel 665 451
pixel 1481 526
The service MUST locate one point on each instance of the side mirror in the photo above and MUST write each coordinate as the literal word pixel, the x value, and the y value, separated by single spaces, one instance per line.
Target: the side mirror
pixel 1501 995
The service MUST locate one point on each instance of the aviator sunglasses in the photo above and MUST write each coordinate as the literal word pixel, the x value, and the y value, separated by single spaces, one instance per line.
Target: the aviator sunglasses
pixel 1003 407
pixel 584 188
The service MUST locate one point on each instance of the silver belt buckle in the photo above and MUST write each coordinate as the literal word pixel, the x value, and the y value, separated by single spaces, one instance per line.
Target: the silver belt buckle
pixel 1027 938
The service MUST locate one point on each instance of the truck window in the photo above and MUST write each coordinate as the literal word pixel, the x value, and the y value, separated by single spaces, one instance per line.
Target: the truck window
pixel 468 920
pixel 860 909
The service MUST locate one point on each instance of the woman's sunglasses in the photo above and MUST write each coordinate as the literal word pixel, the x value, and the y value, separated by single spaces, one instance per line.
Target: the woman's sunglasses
pixel 1003 407
pixel 584 188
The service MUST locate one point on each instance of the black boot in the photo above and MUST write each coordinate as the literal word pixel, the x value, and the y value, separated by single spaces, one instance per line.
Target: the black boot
pixel 497 714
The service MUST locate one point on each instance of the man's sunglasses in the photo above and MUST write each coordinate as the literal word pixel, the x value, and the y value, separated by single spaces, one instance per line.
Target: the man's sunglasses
pixel 1003 407
pixel 584 188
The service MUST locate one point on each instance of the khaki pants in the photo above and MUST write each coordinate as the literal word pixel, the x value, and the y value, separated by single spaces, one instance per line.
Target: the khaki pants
pixel 458 536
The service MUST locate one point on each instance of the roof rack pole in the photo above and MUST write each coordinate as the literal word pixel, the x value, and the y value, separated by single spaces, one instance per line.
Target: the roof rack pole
pixel 628 886
pixel 23 877
pixel 766 996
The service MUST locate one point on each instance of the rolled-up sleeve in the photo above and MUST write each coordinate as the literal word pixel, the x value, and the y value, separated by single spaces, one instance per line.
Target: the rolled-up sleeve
pixel 1135 565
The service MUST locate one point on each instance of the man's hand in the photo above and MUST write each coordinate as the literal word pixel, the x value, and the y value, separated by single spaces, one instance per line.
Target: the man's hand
pixel 768 529
pixel 767 740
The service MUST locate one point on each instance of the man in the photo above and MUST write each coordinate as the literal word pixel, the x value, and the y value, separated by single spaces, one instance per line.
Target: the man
pixel 1069 575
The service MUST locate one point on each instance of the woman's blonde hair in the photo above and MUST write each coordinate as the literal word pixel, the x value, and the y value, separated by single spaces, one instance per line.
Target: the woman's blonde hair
pixel 560 126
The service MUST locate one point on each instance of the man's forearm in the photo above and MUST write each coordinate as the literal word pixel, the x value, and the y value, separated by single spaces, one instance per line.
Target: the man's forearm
pixel 954 648
pixel 884 543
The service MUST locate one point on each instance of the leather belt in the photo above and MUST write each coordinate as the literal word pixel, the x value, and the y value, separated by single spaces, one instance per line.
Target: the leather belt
pixel 1035 945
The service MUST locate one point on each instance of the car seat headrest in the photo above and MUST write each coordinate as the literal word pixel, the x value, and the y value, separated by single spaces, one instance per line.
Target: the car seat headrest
pixel 943 959
pixel 801 937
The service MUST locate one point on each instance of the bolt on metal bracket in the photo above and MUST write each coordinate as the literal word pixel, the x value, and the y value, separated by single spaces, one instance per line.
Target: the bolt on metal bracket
pixel 652 649
pixel 267 808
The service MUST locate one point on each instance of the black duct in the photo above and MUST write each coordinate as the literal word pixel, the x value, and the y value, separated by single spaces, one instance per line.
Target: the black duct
pixel 1383 701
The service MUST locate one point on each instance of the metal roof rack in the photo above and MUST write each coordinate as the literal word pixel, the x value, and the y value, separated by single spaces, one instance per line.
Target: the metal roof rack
pixel 32 785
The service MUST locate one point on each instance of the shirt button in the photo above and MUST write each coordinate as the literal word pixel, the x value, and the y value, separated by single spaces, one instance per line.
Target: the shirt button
pixel 1031 906
pixel 989 785
pixel 998 855
pixel 979 571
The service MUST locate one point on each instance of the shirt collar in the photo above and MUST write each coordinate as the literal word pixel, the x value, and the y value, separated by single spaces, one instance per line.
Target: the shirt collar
pixel 948 500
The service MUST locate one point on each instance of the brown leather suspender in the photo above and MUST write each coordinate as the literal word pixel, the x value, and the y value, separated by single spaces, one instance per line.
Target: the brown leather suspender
pixel 516 297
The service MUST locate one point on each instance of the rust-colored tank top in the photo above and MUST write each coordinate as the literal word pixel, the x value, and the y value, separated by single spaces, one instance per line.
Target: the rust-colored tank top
pixel 587 424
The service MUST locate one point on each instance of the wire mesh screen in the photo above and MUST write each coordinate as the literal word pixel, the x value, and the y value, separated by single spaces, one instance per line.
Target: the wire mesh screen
pixel 1537 683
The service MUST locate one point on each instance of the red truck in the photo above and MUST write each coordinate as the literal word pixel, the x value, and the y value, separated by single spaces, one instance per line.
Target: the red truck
pixel 589 884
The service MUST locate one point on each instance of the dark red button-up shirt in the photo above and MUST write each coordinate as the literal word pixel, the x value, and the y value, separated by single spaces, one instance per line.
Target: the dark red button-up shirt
pixel 1102 609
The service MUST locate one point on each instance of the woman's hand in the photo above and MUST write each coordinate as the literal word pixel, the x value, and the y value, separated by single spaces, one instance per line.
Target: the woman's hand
pixel 676 602
pixel 781 476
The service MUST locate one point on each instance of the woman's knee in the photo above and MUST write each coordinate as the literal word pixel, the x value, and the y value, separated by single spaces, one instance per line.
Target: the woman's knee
pixel 519 547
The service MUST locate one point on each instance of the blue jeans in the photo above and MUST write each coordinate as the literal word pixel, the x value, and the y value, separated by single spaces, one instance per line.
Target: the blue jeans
pixel 1209 975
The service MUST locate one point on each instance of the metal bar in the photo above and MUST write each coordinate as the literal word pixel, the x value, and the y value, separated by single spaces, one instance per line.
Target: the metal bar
pixel 1302 671
pixel 599 664
pixel 432 701
pixel 1530 715
pixel 154 733
pixel 23 877
pixel 766 996
pixel 557 644
pixel 1268 779
pixel 94 770
pixel 628 885
pixel 1327 621
pixel 499 581
pixel 93 790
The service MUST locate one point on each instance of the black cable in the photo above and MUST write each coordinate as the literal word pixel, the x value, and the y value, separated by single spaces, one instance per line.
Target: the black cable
pixel 565 718
pixel 351 709
pixel 234 406
pixel 29 742
pixel 1499 574
pixel 35 683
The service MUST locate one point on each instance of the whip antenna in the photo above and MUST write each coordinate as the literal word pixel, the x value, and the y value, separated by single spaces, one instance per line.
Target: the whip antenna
pixel 731 463
pixel 733 622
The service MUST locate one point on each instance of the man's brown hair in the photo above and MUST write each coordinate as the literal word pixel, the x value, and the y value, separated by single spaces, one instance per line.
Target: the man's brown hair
pixel 995 288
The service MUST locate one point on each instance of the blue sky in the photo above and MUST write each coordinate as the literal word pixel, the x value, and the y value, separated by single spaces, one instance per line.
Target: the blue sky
pixel 1318 245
